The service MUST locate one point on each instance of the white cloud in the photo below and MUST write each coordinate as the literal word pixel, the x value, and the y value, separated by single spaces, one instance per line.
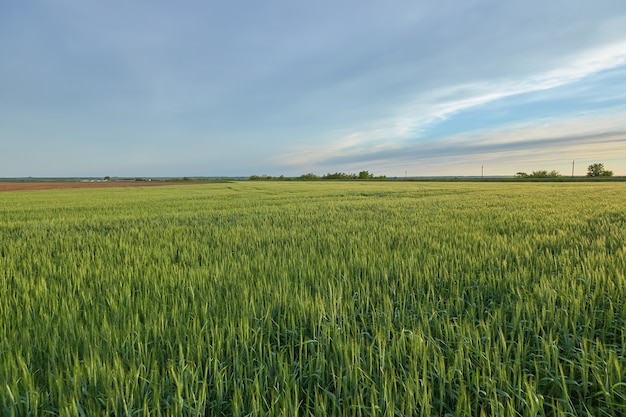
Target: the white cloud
pixel 412 121
pixel 548 143
pixel 442 103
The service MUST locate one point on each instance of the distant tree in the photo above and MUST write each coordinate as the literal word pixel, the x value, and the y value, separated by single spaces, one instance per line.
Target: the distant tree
pixel 339 176
pixel 309 176
pixel 597 170
pixel 107 178
pixel 539 174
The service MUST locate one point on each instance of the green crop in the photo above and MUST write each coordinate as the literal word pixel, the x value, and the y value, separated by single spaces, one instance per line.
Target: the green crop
pixel 325 299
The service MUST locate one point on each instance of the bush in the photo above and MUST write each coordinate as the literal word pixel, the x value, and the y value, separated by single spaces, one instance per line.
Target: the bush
pixel 597 170
pixel 539 174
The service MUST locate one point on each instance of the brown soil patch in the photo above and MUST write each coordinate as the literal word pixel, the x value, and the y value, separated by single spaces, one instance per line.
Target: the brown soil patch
pixel 19 186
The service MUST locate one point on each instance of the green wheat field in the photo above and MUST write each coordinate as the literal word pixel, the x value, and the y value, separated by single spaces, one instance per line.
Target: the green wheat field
pixel 314 299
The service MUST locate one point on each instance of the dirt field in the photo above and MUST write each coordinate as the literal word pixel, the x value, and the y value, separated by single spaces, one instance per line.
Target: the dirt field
pixel 17 186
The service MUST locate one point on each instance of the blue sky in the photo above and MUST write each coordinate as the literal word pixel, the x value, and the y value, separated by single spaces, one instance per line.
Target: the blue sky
pixel 211 88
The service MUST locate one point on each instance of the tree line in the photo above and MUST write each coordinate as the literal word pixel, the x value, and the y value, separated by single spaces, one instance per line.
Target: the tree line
pixel 362 175
pixel 593 170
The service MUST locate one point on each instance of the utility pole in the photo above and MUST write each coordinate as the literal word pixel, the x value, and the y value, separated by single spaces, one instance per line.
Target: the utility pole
pixel 482 171
pixel 573 168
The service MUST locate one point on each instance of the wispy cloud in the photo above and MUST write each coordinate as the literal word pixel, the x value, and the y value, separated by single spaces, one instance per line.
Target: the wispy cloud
pixel 440 104
pixel 405 136
pixel 530 145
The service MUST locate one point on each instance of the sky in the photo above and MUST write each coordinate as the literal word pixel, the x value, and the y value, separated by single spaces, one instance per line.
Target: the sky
pixel 284 87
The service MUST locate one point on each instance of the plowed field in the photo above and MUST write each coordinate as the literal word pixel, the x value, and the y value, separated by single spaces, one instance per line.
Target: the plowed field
pixel 16 186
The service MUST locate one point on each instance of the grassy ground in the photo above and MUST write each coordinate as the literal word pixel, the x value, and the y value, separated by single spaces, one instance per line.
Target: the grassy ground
pixel 323 298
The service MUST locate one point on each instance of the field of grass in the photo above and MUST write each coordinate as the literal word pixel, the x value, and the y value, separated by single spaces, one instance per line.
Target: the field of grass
pixel 334 298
